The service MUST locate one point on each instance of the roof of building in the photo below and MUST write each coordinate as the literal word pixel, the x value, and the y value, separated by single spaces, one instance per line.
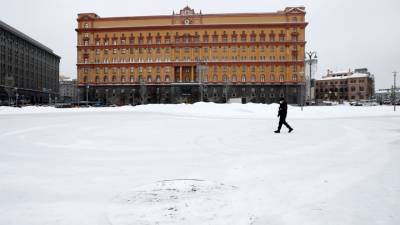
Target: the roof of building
pixel 339 72
pixel 191 11
pixel 25 37
pixel 354 75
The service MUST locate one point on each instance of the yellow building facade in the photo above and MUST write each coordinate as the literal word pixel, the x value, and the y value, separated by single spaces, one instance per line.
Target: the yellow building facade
pixel 190 56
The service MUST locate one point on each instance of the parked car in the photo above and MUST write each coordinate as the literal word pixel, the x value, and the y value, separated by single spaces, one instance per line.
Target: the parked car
pixel 99 104
pixel 387 102
pixel 364 103
pixel 63 105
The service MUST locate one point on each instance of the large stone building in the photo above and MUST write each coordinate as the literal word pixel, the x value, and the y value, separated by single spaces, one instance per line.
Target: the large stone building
pixel 28 70
pixel 191 56
pixel 68 90
pixel 346 86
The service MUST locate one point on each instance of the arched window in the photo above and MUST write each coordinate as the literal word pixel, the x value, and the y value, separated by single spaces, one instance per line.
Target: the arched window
pixel 234 78
pixel 132 79
pixel 123 79
pixel 281 78
pixel 262 78
pixel 85 79
pixel 158 79
pixel 243 78
pixel 114 79
pixel 294 77
pixel 148 78
pixel 272 77
pixel 205 78
pixel 215 78
pixel 105 79
pixel 253 78
pixel 167 78
pixel 97 79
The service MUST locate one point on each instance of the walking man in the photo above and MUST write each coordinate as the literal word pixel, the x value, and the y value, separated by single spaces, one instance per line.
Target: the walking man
pixel 282 116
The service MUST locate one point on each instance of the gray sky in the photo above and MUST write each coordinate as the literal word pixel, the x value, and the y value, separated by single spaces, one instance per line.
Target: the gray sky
pixel 346 34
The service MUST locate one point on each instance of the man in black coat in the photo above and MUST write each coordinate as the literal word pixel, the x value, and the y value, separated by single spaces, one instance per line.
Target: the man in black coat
pixel 282 116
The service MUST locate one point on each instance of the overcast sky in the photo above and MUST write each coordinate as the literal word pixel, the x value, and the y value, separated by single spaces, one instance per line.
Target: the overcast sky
pixel 346 34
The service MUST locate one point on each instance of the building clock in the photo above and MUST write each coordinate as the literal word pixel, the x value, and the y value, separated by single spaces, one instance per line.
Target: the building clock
pixel 186 21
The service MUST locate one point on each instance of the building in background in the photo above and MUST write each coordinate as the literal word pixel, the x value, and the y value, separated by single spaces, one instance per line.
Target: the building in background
pixel 68 90
pixel 190 56
pixel 388 96
pixel 346 86
pixel 28 70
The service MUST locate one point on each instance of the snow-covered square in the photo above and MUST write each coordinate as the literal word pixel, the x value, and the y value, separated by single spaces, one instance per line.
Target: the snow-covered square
pixel 199 164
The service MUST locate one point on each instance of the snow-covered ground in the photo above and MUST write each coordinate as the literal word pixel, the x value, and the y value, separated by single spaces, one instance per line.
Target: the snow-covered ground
pixel 199 164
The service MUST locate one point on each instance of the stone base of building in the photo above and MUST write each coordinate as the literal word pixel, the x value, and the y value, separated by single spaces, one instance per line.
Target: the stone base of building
pixel 8 96
pixel 187 93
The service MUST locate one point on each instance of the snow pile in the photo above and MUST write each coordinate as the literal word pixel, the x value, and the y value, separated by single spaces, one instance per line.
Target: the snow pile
pixel 179 202
pixel 255 111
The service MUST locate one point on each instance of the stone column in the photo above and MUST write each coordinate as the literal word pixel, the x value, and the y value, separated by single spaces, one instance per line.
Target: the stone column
pixel 192 73
pixel 180 74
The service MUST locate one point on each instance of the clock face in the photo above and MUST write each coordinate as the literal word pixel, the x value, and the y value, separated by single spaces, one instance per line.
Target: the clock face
pixel 187 21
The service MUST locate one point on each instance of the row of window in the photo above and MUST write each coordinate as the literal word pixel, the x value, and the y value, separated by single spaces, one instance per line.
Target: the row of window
pixel 11 43
pixel 352 81
pixel 353 89
pixel 215 69
pixel 196 38
pixel 224 49
pixel 26 82
pixel 214 94
pixel 214 78
pixel 188 59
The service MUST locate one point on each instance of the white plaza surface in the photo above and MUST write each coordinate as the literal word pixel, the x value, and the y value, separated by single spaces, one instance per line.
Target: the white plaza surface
pixel 199 164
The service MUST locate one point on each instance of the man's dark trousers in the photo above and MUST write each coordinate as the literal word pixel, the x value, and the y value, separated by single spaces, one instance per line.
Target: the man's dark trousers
pixel 282 120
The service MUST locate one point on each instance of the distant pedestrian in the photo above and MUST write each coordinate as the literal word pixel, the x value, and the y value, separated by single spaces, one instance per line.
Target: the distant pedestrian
pixel 282 116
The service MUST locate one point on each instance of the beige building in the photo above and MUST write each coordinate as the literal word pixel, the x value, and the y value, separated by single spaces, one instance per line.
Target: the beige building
pixel 346 86
pixel 191 56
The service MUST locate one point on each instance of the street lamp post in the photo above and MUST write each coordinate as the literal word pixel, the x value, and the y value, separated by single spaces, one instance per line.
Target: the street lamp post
pixel 49 93
pixel 16 97
pixel 201 66
pixel 227 84
pixel 302 90
pixel 133 97
pixel 142 91
pixel 310 61
pixel 87 95
pixel 394 90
